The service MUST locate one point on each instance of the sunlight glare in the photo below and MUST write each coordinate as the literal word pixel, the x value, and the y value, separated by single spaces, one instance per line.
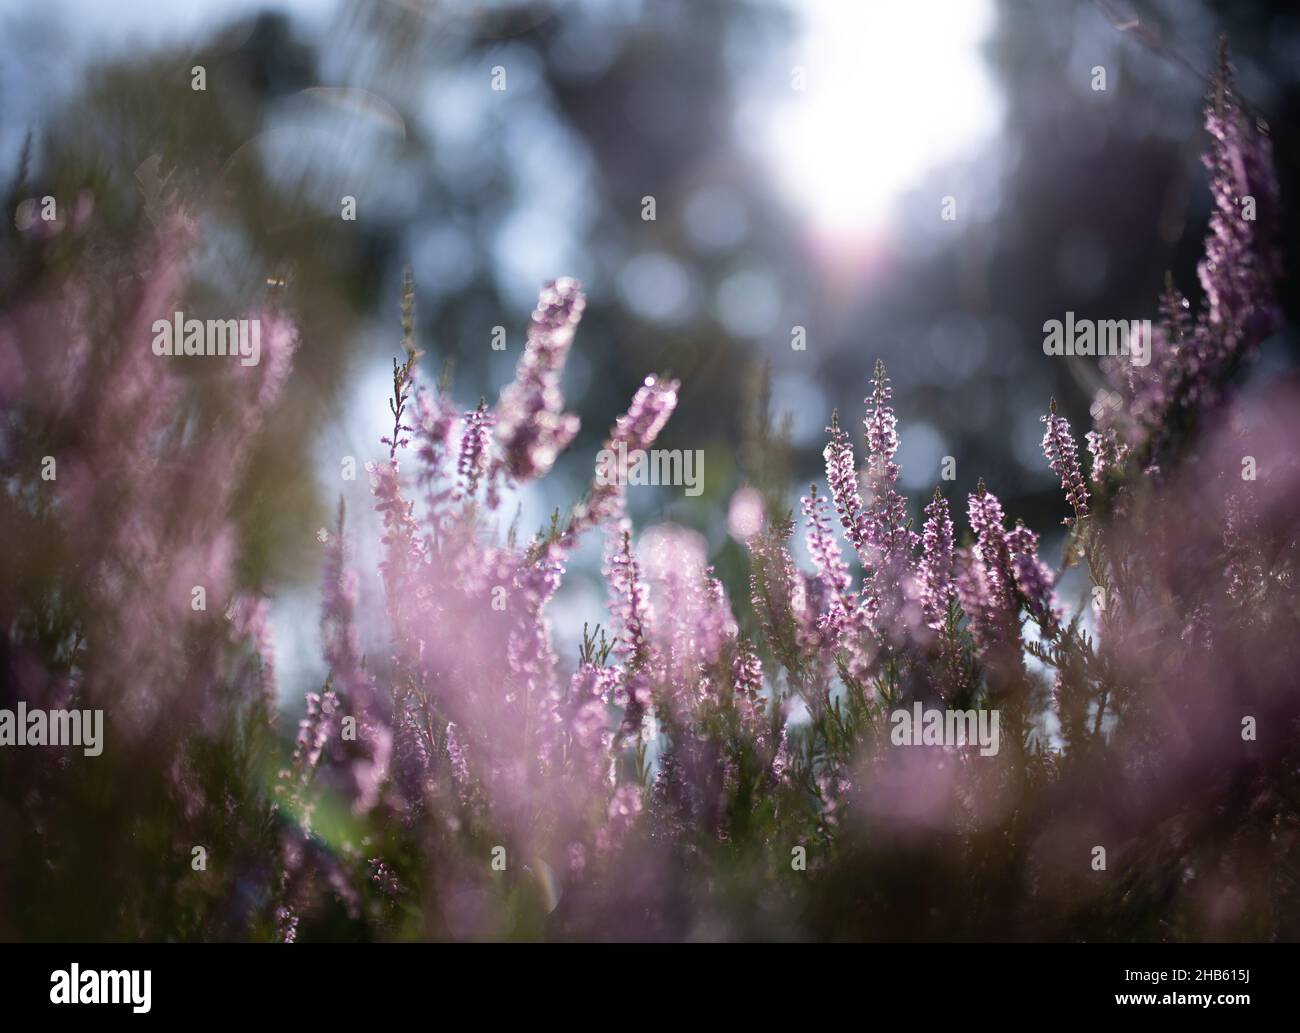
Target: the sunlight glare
pixel 891 89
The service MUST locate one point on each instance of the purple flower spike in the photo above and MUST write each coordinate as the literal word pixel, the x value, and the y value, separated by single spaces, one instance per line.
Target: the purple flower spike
pixel 937 562
pixel 532 428
pixel 1063 457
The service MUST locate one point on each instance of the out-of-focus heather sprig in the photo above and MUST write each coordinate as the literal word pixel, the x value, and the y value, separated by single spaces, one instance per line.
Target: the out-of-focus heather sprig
pixel 531 425
pixel 1150 409
pixel 635 431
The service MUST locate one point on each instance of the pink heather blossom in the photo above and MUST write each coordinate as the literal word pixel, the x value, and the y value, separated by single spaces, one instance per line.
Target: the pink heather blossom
pixel 435 425
pixel 634 431
pixel 1063 457
pixel 1191 359
pixel 476 428
pixel 695 623
pixel 1107 454
pixel 1033 580
pixel 831 569
pixel 632 617
pixel 842 481
pixel 888 597
pixel 747 687
pixel 880 422
pixel 935 570
pixel 985 581
pixel 629 599
pixel 1241 262
pixel 624 809
pixel 586 723
pixel 531 426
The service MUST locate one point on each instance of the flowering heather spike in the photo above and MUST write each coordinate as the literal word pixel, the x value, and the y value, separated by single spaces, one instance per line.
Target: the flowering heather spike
pixel 825 553
pixel 1241 263
pixel 475 427
pixel 779 595
pixel 985 582
pixel 630 610
pixel 1107 453
pixel 986 520
pixel 635 430
pixel 1190 362
pixel 888 595
pixel 435 422
pixel 1063 457
pixel 1033 580
pixel 842 481
pixel 529 655
pixel 747 686
pixel 532 428
pixel 880 422
pixel 629 602
pixel 696 622
pixel 886 519
pixel 937 562
pixel 402 551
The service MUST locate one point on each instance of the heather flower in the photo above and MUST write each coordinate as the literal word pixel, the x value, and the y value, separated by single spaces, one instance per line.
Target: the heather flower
pixel 887 596
pixel 634 431
pixel 832 571
pixel 403 555
pixel 631 612
pixel 476 426
pixel 695 623
pixel 1191 360
pixel 1241 263
pixel 880 422
pixel 779 595
pixel 624 809
pixel 842 482
pixel 531 426
pixel 529 656
pixel 985 582
pixel 1063 457
pixel 1107 453
pixel 586 724
pixel 747 686
pixel 435 424
pixel 986 520
pixel 629 600
pixel 935 570
pixel 1033 580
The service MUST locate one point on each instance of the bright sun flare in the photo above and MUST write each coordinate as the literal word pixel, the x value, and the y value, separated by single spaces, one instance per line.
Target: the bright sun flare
pixel 891 88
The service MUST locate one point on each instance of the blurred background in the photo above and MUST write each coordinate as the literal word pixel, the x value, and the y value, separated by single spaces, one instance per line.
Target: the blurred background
pixel 797 157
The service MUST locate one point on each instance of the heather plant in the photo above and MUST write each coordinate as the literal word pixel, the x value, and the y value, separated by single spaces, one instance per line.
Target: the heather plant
pixel 710 764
